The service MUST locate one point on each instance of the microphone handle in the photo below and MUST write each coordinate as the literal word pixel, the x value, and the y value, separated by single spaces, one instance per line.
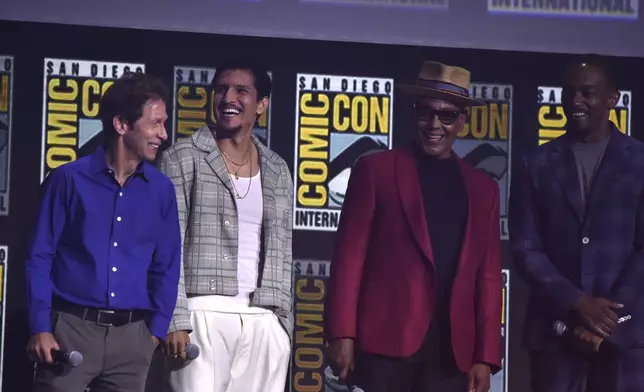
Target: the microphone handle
pixel 605 347
pixel 60 356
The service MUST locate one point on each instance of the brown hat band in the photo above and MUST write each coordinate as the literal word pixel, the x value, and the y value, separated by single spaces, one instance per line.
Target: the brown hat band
pixel 444 86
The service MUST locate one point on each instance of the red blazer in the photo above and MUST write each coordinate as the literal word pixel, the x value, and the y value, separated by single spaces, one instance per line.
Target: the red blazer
pixel 380 290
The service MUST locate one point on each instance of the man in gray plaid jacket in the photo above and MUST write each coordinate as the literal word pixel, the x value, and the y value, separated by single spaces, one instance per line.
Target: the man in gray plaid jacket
pixel 235 206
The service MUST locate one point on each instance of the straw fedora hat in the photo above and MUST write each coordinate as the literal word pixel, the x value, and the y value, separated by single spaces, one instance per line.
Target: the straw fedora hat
pixel 445 82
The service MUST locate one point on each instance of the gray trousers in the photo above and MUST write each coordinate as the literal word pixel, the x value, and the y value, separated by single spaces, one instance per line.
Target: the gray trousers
pixel 115 359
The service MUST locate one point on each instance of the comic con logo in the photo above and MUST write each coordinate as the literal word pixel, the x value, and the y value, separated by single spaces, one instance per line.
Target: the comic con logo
pixel 72 93
pixel 310 365
pixel 309 348
pixel 6 103
pixel 338 120
pixel 485 140
pixel 193 104
pixel 552 120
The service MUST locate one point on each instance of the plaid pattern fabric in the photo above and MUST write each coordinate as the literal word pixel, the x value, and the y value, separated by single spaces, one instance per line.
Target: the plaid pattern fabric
pixel 209 228
pixel 563 247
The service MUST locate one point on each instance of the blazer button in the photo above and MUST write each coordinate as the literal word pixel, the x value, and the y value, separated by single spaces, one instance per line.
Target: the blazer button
pixel 225 256
pixel 585 240
pixel 212 285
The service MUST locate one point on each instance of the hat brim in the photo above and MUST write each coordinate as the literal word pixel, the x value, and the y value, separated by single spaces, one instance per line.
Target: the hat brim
pixel 427 92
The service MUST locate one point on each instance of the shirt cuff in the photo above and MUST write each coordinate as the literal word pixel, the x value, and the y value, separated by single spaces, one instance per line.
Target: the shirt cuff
pixel 158 326
pixel 40 322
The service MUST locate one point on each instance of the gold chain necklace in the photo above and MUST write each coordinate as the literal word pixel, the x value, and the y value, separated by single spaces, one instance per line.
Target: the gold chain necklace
pixel 237 164
pixel 250 180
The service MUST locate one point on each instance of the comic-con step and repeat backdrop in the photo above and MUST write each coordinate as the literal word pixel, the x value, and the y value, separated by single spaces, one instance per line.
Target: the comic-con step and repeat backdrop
pixel 337 119
pixel 6 98
pixel 310 370
pixel 341 118
pixel 72 91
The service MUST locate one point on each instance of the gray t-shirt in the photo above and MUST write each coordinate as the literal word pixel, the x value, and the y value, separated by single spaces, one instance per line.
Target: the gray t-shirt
pixel 588 157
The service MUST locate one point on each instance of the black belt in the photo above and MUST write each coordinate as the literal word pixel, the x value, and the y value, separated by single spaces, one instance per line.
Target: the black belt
pixel 102 317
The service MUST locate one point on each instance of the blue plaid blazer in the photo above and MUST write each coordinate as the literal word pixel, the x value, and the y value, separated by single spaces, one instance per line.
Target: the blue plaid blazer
pixel 563 247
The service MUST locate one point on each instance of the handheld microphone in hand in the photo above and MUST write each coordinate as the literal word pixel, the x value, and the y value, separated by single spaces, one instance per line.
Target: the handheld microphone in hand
pixel 561 329
pixel 72 358
pixel 192 351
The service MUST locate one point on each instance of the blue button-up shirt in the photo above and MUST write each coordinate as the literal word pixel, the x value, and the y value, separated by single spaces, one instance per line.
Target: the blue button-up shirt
pixel 98 244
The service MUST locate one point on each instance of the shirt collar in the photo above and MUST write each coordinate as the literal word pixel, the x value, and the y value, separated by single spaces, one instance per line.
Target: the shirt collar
pixel 98 164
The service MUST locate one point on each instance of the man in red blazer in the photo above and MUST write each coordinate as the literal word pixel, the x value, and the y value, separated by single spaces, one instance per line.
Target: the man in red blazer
pixel 414 297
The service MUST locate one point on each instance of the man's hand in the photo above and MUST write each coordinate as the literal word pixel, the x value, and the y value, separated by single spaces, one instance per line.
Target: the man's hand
pixel 155 340
pixel 341 357
pixel 479 378
pixel 40 346
pixel 596 314
pixel 588 338
pixel 175 344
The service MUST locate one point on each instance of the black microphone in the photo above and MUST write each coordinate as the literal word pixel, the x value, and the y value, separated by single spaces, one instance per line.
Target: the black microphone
pixel 192 351
pixel 561 329
pixel 73 358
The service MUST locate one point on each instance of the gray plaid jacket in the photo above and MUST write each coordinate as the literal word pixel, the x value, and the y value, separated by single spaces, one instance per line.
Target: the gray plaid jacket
pixel 209 230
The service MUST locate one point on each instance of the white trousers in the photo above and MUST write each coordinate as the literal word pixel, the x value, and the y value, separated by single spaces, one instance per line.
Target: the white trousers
pixel 239 352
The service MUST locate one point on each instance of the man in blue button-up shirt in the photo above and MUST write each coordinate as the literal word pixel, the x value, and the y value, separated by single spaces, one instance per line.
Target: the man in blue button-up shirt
pixel 103 265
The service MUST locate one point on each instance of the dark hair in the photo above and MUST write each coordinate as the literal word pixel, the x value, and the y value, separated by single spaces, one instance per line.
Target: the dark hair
pixel 602 63
pixel 126 98
pixel 262 80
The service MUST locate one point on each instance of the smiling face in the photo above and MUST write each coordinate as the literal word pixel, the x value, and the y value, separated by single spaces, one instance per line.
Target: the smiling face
pixel 143 138
pixel 236 104
pixel 587 98
pixel 438 123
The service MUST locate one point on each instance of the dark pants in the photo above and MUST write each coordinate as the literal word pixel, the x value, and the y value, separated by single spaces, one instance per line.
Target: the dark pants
pixel 566 371
pixel 115 359
pixel 431 369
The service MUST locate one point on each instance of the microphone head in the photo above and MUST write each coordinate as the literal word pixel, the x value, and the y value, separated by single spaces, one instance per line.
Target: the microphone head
pixel 75 358
pixel 192 351
pixel 559 327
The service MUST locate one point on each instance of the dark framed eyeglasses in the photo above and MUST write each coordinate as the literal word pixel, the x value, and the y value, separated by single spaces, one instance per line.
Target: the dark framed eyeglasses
pixel 445 116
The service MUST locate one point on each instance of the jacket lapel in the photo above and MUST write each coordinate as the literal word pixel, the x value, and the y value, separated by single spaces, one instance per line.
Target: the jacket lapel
pixel 204 140
pixel 562 162
pixel 412 200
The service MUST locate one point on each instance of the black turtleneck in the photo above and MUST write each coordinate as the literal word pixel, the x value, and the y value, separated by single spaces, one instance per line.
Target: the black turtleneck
pixel 445 201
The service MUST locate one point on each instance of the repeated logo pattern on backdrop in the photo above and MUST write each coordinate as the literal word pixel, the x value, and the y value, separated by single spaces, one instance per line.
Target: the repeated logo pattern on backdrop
pixel 552 120
pixel 486 139
pixel 71 98
pixel 338 119
pixel 193 104
pixel 310 370
pixel 6 106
